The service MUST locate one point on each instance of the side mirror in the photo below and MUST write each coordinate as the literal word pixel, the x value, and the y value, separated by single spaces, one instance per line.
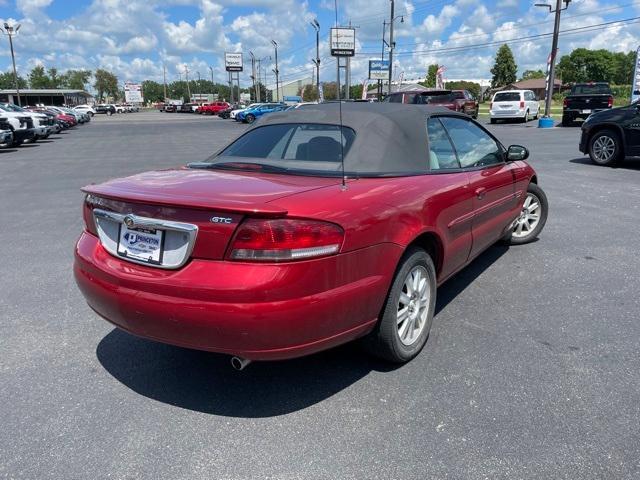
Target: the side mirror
pixel 517 152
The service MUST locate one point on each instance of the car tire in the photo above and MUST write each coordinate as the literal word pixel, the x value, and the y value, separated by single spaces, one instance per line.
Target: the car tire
pixel 532 219
pixel 109 113
pixel 250 118
pixel 400 341
pixel 525 119
pixel 493 121
pixel 567 121
pixel 605 148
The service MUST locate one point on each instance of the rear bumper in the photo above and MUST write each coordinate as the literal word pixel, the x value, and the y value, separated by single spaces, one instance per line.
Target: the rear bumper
pixel 260 312
pixel 507 113
pixel 580 113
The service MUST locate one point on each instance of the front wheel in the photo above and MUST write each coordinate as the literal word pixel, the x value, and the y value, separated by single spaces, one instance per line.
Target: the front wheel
pixel 407 315
pixel 532 218
pixel 250 118
pixel 605 148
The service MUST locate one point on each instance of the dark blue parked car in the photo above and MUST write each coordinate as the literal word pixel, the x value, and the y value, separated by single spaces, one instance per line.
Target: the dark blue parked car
pixel 249 115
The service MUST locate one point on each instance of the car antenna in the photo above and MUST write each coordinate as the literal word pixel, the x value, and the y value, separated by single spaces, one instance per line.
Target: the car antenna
pixel 344 178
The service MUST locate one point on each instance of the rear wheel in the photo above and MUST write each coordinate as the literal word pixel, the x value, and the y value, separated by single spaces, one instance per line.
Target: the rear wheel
pixel 250 118
pixel 605 148
pixel 567 121
pixel 407 315
pixel 526 117
pixel 532 217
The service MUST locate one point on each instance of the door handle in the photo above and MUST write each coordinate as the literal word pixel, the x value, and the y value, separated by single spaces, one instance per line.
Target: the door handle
pixel 481 192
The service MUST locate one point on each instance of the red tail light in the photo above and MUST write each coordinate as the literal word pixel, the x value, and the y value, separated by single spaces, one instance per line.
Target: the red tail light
pixel 610 102
pixel 565 103
pixel 522 104
pixel 87 214
pixel 284 240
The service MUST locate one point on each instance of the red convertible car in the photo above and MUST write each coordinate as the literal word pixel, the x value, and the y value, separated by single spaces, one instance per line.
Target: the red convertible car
pixel 306 232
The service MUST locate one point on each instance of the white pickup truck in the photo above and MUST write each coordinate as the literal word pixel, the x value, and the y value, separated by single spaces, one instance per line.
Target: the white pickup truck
pixel 6 133
pixel 21 127
pixel 40 123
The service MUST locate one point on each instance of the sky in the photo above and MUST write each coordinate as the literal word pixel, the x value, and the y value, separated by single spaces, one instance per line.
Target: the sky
pixel 134 38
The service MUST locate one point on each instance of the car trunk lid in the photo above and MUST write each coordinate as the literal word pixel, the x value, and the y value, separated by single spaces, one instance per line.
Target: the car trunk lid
pixel 212 201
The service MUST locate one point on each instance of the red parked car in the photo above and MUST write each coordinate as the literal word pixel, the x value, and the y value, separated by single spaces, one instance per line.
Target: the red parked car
pixel 466 103
pixel 306 232
pixel 213 108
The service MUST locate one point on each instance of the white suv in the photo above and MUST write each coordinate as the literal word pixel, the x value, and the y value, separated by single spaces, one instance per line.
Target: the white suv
pixel 88 109
pixel 514 104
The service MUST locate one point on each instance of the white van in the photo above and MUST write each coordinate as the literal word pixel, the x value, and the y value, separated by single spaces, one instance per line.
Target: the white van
pixel 514 104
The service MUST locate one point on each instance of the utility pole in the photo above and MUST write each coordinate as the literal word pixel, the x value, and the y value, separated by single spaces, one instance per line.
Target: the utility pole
pixel 164 79
pixel 554 51
pixel 384 42
pixel 253 74
pixel 212 83
pixel 10 31
pixel 391 44
pixel 199 88
pixel 186 72
pixel 316 62
pixel 276 71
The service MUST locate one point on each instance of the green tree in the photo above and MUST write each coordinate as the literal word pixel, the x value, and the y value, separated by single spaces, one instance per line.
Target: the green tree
pixel 54 79
pixel 355 91
pixel 330 90
pixel 624 66
pixel 474 88
pixel 430 80
pixel 106 83
pixel 309 93
pixel 75 79
pixel 584 65
pixel 152 91
pixel 7 81
pixel 38 77
pixel 505 69
pixel 533 74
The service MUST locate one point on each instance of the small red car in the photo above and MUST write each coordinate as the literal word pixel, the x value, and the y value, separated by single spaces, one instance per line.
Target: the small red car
pixel 213 108
pixel 310 230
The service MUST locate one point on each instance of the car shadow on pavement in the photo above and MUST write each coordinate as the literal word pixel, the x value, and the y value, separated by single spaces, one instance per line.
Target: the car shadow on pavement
pixel 628 163
pixel 8 150
pixel 458 283
pixel 206 382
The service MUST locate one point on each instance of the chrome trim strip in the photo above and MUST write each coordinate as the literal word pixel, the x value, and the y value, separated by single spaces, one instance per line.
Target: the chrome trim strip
pixel 133 221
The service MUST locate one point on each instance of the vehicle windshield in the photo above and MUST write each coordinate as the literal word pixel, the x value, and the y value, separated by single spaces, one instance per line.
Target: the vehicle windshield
pixel 595 89
pixel 507 97
pixel 9 107
pixel 310 148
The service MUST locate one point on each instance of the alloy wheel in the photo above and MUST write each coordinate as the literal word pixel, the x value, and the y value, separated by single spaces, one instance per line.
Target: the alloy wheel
pixel 604 148
pixel 529 217
pixel 413 305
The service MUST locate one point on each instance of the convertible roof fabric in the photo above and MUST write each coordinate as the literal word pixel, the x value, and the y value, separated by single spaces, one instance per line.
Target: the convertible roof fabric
pixel 391 139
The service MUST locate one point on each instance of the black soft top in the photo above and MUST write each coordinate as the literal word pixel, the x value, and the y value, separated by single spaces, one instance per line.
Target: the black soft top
pixel 391 139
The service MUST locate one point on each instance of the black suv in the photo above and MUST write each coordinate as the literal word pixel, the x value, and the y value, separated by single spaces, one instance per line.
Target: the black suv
pixel 611 135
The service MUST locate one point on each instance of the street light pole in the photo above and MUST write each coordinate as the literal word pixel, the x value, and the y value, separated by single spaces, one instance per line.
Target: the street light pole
pixel 10 31
pixel 391 44
pixel 554 51
pixel 212 83
pixel 198 89
pixel 276 71
pixel 316 62
pixel 253 74
pixel 186 72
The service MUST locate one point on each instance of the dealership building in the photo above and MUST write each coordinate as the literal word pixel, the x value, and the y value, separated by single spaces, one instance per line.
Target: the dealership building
pixel 47 96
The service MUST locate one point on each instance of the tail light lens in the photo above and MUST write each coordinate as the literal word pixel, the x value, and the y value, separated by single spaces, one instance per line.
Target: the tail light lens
pixel 285 240
pixel 565 103
pixel 522 104
pixel 490 105
pixel 87 214
pixel 610 102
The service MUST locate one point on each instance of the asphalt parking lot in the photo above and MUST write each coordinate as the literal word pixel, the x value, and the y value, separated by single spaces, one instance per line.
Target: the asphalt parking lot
pixel 532 369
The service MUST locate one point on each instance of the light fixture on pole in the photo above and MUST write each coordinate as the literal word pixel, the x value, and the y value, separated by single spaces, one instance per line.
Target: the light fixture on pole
pixel 316 62
pixel 276 71
pixel 10 31
pixel 554 50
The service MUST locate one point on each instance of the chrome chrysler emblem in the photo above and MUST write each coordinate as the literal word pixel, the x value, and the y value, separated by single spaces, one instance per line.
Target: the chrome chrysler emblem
pixel 129 221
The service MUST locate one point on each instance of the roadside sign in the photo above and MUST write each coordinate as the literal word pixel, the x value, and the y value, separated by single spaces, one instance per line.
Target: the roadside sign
pixel 343 42
pixel 233 62
pixel 378 69
pixel 635 90
pixel 133 93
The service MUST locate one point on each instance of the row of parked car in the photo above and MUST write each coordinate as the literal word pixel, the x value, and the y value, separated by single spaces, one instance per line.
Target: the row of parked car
pixel 24 125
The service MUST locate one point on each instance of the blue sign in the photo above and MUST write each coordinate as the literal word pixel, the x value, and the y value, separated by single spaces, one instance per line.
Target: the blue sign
pixel 379 69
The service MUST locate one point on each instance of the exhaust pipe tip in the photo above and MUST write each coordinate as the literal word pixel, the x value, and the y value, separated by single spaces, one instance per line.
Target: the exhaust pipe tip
pixel 239 363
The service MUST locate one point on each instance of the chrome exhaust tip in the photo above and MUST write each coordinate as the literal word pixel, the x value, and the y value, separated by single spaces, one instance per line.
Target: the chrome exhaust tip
pixel 239 363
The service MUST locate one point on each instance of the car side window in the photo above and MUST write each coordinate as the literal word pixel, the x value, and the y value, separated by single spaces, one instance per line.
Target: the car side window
pixel 442 156
pixel 475 148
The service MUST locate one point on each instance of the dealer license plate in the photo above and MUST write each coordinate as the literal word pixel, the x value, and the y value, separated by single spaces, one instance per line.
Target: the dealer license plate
pixel 141 244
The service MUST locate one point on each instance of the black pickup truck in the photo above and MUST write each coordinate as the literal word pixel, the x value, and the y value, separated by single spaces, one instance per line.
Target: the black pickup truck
pixel 585 99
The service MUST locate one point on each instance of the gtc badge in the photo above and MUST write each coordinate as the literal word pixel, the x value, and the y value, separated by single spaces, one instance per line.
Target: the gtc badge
pixel 221 220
